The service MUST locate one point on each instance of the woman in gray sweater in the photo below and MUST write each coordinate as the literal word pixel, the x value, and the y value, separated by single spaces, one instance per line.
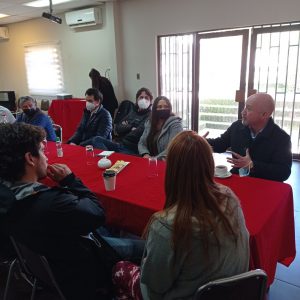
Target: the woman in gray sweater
pixel 159 130
pixel 199 236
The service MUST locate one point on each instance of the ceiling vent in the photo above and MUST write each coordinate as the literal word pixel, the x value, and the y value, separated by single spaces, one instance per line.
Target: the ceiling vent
pixel 84 17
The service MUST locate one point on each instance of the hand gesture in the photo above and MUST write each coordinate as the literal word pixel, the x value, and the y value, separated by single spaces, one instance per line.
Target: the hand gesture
pixel 205 134
pixel 239 161
pixel 58 172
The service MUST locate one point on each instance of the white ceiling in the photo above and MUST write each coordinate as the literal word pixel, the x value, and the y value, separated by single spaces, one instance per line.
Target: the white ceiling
pixel 19 12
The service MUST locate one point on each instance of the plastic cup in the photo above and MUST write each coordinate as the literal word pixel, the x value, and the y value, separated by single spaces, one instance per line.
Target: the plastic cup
pixel 45 143
pixel 89 152
pixel 152 167
pixel 109 178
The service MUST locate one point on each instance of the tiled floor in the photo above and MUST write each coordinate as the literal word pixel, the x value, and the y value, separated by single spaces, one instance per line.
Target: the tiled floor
pixel 287 283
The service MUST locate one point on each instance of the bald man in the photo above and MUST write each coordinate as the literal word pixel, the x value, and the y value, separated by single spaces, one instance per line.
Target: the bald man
pixel 260 148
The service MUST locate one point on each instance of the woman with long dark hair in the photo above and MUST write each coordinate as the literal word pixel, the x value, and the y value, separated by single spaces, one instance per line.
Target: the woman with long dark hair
pixel 199 236
pixel 159 130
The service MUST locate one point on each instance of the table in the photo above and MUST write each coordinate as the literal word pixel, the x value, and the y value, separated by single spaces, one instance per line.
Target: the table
pixel 267 205
pixel 67 113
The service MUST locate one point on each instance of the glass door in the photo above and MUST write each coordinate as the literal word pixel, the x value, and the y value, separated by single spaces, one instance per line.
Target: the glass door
pixel 221 60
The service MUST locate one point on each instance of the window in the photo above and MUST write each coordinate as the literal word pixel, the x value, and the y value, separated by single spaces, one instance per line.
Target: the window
pixel 205 77
pixel 44 69
pixel 275 53
pixel 176 74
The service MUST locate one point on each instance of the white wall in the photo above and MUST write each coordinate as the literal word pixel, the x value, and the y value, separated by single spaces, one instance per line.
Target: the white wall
pixel 144 20
pixel 82 49
pixel 126 43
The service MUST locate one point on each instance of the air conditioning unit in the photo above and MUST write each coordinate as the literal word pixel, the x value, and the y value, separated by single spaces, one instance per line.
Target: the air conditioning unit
pixel 4 33
pixel 84 17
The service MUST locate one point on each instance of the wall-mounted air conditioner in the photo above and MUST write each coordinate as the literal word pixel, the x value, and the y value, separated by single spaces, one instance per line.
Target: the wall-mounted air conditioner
pixel 84 17
pixel 4 33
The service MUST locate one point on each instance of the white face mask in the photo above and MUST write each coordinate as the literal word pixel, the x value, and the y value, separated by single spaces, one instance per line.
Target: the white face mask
pixel 143 103
pixel 90 106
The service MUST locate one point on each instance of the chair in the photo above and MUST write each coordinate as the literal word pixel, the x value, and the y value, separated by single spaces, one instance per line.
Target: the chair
pixel 58 131
pixel 45 104
pixel 35 268
pixel 125 107
pixel 251 285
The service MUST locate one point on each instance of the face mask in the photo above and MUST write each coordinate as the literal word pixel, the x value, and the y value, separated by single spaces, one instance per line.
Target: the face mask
pixel 29 111
pixel 163 113
pixel 143 103
pixel 90 106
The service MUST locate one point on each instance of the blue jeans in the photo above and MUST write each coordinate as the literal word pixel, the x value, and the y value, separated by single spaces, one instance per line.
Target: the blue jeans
pixel 127 248
pixel 104 144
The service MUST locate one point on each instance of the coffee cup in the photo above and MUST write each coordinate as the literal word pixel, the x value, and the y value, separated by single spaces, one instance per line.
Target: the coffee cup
pixel 109 178
pixel 221 171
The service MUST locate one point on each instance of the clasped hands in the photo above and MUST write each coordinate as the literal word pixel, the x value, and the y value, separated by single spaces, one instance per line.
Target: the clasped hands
pixel 58 172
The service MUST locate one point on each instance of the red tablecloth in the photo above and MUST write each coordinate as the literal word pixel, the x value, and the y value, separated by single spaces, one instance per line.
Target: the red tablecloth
pixel 267 205
pixel 67 113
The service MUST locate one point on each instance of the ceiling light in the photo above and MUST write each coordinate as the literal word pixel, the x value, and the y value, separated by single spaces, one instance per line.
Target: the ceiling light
pixel 3 16
pixel 44 3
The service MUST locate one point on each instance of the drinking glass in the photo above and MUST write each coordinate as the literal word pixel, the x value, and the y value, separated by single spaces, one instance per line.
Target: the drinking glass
pixel 89 152
pixel 45 143
pixel 152 167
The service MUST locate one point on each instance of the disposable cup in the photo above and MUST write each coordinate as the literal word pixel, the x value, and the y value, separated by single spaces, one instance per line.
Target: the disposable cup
pixel 109 178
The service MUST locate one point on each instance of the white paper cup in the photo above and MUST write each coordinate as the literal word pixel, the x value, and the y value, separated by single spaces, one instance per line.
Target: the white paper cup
pixel 109 178
pixel 221 170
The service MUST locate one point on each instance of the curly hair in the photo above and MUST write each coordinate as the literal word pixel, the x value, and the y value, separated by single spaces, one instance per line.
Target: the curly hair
pixel 15 141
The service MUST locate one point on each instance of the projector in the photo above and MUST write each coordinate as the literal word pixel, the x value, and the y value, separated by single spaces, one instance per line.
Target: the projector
pixel 51 17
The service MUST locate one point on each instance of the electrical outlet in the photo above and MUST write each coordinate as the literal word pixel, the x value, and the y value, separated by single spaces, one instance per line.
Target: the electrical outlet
pixel 138 76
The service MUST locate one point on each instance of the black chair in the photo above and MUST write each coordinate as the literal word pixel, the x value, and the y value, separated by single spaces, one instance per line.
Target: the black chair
pixel 251 285
pixel 45 103
pixel 125 107
pixel 35 269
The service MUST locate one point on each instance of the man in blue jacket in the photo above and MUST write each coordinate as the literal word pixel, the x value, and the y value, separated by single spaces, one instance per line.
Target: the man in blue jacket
pixel 33 115
pixel 260 148
pixel 96 120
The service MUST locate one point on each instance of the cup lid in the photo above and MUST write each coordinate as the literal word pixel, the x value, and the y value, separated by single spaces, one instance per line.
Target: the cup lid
pixel 109 173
